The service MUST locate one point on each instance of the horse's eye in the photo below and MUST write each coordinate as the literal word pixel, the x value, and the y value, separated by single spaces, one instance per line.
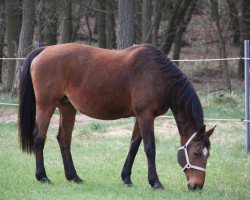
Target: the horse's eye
pixel 197 154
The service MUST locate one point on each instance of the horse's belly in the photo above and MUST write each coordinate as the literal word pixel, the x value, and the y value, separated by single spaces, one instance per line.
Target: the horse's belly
pixel 100 107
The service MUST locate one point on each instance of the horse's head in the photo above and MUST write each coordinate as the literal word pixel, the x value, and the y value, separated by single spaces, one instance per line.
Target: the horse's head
pixel 192 157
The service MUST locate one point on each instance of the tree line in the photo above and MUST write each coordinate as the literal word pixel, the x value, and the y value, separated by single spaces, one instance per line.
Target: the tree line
pixel 113 24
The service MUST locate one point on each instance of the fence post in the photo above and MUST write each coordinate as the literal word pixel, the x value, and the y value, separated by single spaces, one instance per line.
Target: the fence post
pixel 247 114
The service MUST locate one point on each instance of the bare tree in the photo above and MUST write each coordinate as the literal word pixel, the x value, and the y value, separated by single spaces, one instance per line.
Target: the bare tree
pixel 78 12
pixel 146 21
pixel 222 46
pixel 88 24
pixel 126 32
pixel 245 33
pixel 181 29
pixel 101 23
pixel 138 21
pixel 110 25
pixel 65 21
pixel 26 38
pixel 13 10
pixel 235 25
pixel 178 14
pixel 158 7
pixel 47 22
pixel 2 31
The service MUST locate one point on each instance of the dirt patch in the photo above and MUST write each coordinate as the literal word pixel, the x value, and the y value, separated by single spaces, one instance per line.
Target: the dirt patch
pixel 80 119
pixel 121 133
pixel 8 118
pixel 164 127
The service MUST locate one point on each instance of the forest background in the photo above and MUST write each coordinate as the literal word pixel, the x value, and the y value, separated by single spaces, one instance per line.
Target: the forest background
pixel 186 29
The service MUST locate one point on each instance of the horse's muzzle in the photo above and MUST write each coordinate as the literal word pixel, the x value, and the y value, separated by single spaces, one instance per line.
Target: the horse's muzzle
pixel 194 186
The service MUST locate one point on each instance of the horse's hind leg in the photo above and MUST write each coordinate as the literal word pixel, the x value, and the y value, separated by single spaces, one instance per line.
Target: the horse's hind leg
pixel 134 145
pixel 44 115
pixel 67 120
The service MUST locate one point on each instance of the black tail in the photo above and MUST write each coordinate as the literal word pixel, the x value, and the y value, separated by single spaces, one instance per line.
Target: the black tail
pixel 27 105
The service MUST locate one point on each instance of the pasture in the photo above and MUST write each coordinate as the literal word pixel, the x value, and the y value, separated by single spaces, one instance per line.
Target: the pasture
pixel 99 149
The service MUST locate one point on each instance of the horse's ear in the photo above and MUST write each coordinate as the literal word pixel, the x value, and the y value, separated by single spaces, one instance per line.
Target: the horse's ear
pixel 210 132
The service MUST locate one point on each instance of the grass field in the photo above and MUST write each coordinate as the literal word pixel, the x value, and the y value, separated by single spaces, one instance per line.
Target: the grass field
pixel 99 149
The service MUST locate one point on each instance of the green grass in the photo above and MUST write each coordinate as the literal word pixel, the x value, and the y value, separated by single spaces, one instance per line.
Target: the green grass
pixel 94 127
pixel 98 158
pixel 99 155
pixel 227 106
pixel 6 97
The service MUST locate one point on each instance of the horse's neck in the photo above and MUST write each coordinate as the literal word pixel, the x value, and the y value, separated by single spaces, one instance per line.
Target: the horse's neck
pixel 185 123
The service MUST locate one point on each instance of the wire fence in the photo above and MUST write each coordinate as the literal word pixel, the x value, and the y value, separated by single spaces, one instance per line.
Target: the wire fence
pixel 163 116
pixel 181 60
pixel 12 58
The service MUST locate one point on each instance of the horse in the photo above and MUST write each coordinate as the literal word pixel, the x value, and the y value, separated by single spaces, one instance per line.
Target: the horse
pixel 139 81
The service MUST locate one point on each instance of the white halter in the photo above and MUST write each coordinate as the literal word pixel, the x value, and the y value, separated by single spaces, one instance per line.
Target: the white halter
pixel 189 165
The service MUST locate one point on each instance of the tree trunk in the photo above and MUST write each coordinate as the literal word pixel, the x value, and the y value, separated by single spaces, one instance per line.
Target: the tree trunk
pixel 65 22
pixel 159 6
pixel 88 24
pixel 101 23
pixel 235 25
pixel 13 26
pixel 126 32
pixel 40 20
pixel 26 39
pixel 110 25
pixel 182 29
pixel 138 22
pixel 245 34
pixel 177 16
pixel 47 22
pixel 222 48
pixel 2 31
pixel 76 21
pixel 146 21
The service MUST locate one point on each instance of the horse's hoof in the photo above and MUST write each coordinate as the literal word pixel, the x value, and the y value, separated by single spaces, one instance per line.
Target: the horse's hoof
pixel 77 180
pixel 45 181
pixel 158 186
pixel 128 183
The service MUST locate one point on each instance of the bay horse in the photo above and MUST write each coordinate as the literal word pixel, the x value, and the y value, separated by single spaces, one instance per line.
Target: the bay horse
pixel 139 81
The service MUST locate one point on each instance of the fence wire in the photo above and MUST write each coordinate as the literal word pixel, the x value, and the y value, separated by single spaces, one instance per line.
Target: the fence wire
pixel 181 60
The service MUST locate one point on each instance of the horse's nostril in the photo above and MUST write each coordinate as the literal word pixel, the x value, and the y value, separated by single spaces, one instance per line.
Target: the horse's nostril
pixel 194 187
pixel 190 187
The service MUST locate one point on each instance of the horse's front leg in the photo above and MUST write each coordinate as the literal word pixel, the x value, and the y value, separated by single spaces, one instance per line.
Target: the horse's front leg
pixel 67 121
pixel 134 145
pixel 146 124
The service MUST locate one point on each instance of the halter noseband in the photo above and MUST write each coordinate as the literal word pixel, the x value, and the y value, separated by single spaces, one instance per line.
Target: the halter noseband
pixel 189 165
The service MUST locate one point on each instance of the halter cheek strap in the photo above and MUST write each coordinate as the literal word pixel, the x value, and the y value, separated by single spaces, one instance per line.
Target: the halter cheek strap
pixel 189 165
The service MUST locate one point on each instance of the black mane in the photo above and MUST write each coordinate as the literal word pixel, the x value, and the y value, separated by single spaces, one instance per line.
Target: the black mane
pixel 187 97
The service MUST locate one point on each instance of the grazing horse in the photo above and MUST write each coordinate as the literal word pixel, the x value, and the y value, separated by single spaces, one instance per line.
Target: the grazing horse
pixel 104 84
